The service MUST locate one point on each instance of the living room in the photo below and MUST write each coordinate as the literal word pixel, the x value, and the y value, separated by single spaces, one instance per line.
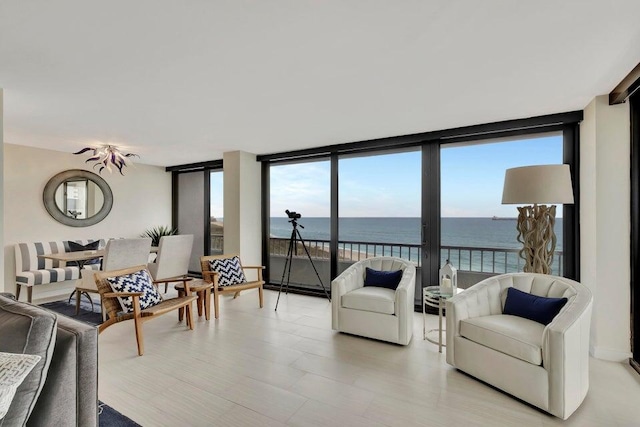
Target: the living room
pixel 248 91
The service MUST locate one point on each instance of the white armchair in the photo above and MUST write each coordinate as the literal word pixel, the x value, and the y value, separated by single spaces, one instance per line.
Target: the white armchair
pixel 374 312
pixel 546 366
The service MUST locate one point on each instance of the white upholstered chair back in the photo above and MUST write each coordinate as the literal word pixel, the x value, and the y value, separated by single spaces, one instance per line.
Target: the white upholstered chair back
pixel 174 253
pixel 123 253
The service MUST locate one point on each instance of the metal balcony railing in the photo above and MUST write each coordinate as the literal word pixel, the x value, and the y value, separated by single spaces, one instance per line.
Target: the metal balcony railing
pixel 465 258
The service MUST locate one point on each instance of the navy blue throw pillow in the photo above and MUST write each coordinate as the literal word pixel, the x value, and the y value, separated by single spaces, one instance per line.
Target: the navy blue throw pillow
pixel 93 246
pixel 382 279
pixel 532 307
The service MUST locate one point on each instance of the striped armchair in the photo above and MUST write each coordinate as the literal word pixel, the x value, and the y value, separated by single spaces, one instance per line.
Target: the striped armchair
pixel 32 270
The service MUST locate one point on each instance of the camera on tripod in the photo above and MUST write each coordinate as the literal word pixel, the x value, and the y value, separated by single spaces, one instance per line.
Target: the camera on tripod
pixel 293 215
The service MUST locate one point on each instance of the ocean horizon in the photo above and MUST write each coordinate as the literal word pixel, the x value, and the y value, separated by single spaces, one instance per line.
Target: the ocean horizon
pixel 455 231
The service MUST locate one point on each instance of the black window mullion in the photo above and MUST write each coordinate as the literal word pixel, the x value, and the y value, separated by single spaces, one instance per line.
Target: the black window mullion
pixel 430 214
pixel 570 212
pixel 333 245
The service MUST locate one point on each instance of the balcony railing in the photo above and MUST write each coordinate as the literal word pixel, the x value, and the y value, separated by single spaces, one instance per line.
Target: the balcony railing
pixel 464 258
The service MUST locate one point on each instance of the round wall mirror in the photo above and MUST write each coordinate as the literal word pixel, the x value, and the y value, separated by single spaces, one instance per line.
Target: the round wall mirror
pixel 78 198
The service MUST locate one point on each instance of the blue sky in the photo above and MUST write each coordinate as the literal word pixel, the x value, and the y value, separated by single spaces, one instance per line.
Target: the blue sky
pixel 216 195
pixel 388 185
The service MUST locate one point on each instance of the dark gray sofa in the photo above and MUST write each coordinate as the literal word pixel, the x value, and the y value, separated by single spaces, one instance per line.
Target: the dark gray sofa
pixel 62 390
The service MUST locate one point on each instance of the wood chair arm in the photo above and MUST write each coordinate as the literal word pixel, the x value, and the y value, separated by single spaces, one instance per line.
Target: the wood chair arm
pixel 173 279
pixel 122 294
pixel 262 267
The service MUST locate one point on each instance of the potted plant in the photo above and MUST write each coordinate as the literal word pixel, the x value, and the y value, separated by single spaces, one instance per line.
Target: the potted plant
pixel 157 232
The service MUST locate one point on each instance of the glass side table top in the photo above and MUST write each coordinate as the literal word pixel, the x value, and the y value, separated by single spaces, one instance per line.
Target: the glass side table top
pixel 434 292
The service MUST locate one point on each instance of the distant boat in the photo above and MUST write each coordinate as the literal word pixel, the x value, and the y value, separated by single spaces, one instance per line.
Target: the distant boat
pixel 497 218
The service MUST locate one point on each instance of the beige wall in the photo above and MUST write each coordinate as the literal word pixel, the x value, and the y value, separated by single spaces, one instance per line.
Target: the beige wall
pixel 605 225
pixel 242 206
pixel 141 199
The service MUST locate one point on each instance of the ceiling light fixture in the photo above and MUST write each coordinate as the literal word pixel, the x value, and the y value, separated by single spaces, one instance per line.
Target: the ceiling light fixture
pixel 106 156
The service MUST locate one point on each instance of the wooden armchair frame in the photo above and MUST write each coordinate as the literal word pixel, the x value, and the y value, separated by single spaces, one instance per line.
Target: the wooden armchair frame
pixel 114 310
pixel 212 277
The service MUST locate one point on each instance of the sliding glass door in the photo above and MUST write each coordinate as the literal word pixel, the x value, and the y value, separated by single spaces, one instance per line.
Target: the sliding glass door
pixel 379 205
pixel 303 188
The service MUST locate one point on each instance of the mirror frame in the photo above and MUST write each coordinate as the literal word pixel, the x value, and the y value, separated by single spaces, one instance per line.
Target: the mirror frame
pixel 48 197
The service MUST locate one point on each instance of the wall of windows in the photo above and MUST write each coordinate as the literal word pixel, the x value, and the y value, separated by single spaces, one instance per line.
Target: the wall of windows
pixel 396 196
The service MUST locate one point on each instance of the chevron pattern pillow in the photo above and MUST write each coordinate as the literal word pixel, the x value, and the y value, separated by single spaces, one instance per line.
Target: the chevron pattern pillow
pixel 229 271
pixel 140 281
pixel 14 368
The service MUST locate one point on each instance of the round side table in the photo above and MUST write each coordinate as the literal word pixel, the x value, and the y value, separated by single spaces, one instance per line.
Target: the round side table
pixel 432 297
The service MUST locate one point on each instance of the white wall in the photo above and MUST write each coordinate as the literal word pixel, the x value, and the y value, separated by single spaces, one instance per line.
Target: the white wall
pixel 141 199
pixel 242 206
pixel 605 225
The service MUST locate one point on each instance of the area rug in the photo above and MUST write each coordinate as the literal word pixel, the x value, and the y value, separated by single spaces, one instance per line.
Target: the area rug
pixel 109 417
pixel 69 309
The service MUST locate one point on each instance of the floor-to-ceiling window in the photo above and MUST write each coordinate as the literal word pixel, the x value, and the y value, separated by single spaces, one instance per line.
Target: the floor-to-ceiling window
pixel 379 205
pixel 216 212
pixel 478 233
pixel 303 188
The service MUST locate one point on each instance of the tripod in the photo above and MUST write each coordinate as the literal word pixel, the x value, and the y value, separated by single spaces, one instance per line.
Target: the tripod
pixel 293 248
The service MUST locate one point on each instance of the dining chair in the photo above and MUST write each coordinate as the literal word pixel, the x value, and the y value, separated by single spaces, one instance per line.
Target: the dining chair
pixel 119 254
pixel 172 262
pixel 130 293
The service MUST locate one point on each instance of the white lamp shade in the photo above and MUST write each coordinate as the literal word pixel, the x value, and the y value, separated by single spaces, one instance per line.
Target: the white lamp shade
pixel 542 184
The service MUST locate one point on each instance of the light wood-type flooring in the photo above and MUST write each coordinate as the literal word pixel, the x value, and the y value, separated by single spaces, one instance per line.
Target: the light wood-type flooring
pixel 258 367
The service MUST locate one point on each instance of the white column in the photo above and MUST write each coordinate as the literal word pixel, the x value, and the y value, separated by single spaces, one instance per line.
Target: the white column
pixel 242 206
pixel 605 225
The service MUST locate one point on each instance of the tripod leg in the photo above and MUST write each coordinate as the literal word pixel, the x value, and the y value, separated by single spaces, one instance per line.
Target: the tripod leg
pixel 287 263
pixel 293 249
pixel 313 265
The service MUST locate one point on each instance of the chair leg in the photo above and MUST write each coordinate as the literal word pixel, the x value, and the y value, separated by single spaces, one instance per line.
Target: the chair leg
pixel 18 289
pixel 261 296
pixel 78 296
pixel 189 316
pixel 139 337
pixel 29 293
pixel 199 303
pixel 216 307
pixel 166 287
pixel 236 295
pixel 181 293
pixel 207 304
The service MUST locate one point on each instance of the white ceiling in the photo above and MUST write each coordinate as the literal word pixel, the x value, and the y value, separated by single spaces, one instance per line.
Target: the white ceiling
pixel 184 81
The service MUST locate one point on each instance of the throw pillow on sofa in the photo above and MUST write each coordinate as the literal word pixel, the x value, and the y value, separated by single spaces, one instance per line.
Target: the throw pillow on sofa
pixel 93 246
pixel 14 368
pixel 27 329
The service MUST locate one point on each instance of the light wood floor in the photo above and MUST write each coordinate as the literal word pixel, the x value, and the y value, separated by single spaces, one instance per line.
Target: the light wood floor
pixel 258 367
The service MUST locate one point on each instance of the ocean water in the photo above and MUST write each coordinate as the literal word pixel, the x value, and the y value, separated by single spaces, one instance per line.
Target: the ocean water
pixel 455 232
pixel 472 232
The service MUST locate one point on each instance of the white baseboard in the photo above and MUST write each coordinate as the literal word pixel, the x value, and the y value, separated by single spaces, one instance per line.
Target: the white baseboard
pixel 609 354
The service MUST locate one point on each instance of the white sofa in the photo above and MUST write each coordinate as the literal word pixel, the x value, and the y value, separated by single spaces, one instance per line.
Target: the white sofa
pixel 546 366
pixel 374 312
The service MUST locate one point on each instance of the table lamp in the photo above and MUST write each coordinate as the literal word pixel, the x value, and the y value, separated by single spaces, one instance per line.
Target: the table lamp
pixel 537 186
